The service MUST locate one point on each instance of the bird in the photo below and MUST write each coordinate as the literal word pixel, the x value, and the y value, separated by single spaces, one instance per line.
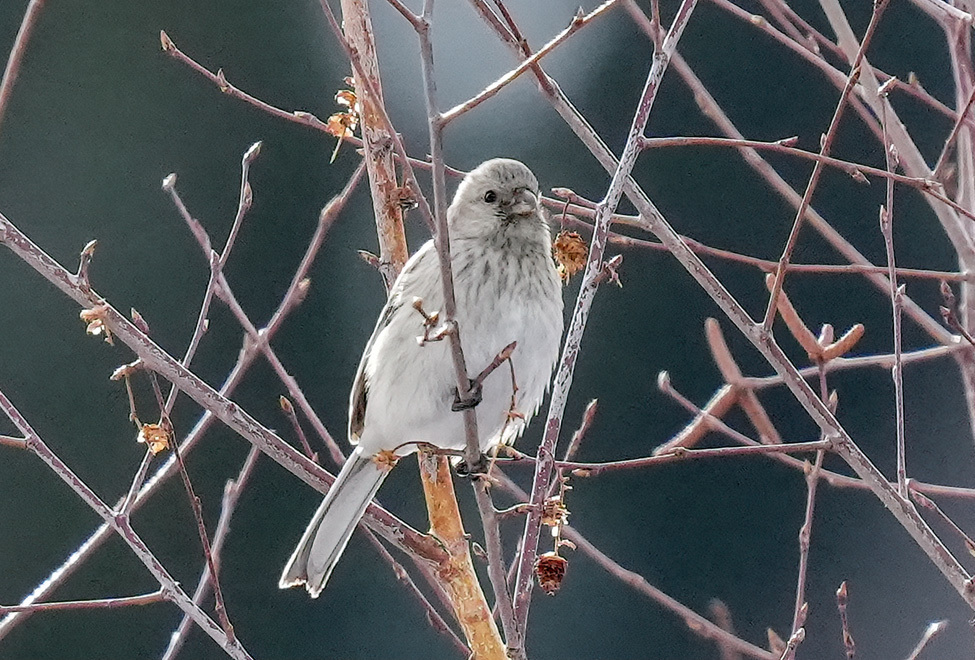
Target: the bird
pixel 507 289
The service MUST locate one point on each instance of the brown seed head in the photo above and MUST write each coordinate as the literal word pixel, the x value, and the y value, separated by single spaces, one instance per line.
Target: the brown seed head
pixel 550 570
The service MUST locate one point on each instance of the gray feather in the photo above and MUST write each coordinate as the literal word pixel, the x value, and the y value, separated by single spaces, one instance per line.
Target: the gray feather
pixel 331 527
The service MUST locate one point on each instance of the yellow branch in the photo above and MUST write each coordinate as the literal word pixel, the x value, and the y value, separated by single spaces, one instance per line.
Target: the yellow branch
pixel 457 573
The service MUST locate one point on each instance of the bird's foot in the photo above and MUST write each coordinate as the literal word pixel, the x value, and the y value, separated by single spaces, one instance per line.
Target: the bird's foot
pixel 478 469
pixel 470 399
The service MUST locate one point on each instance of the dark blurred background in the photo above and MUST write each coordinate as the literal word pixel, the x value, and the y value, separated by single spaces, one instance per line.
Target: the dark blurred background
pixel 100 115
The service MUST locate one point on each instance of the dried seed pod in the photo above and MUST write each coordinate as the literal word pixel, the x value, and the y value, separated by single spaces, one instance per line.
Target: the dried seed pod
pixel 570 253
pixel 156 437
pixel 550 570
pixel 554 512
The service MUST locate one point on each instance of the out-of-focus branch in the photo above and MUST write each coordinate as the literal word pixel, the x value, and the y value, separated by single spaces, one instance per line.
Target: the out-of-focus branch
pixel 878 11
pixel 17 53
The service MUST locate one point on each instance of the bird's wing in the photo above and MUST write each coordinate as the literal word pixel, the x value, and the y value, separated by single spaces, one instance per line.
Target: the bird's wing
pixel 360 386
pixel 397 298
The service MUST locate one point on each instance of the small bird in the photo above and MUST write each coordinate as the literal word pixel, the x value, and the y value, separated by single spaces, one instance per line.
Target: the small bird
pixel 405 391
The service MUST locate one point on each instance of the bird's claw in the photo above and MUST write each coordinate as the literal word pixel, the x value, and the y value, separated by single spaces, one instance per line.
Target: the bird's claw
pixel 479 468
pixel 473 397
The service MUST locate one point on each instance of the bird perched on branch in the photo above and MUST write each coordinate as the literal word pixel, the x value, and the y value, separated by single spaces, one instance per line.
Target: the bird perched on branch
pixel 405 391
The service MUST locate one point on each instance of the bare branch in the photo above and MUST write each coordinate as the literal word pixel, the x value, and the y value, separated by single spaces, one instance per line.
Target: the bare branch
pixel 98 603
pixel 878 11
pixel 578 22
pixel 121 525
pixel 231 495
pixel 933 630
pixel 16 56
pixel 587 291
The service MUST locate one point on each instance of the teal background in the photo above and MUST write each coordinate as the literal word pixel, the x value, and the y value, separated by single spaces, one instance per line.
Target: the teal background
pixel 100 115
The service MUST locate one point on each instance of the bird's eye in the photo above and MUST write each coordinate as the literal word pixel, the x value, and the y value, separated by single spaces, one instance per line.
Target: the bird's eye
pixel 490 197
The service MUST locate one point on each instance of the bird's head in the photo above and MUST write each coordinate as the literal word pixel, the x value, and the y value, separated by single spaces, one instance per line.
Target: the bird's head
pixel 499 196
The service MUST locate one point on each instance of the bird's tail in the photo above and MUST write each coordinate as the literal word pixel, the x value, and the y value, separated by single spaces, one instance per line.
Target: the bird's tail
pixel 331 527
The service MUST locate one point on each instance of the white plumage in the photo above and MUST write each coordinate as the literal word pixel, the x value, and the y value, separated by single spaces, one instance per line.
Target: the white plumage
pixel 507 289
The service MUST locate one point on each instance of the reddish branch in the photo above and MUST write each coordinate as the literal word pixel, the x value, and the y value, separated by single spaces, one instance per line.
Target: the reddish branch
pixel 231 495
pixel 92 604
pixel 878 11
pixel 563 378
pixel 17 52
pixel 121 525
pixel 230 413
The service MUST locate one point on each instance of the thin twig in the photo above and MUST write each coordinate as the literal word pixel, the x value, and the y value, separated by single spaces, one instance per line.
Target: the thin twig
pixel 878 11
pixel 121 525
pixel 805 531
pixel 927 503
pixel 842 597
pixel 17 53
pixel 289 411
pixel 588 416
pixel 563 379
pixel 231 495
pixel 495 564
pixel 933 630
pixel 433 616
pixel 97 603
pixel 896 298
pixel 578 22
pixel 137 481
pixel 786 146
pixel 196 505
pixel 765 265
pixel 883 361
pixel 681 454
pixel 220 80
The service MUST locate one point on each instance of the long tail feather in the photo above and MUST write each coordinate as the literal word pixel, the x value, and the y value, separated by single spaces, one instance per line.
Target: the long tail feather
pixel 329 531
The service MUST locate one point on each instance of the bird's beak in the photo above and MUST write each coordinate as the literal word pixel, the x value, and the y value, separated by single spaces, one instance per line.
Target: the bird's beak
pixel 523 203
